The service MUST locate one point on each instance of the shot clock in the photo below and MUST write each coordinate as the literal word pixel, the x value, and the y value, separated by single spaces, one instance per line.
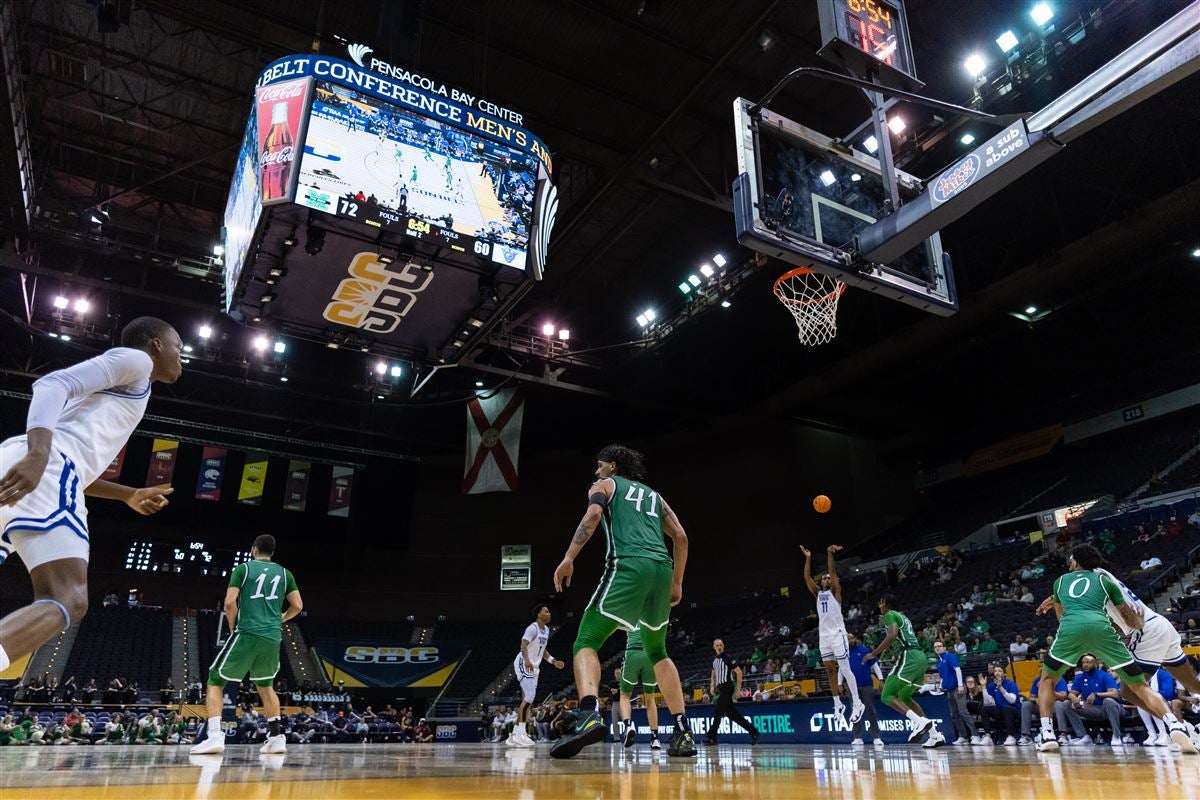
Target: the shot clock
pixel 870 39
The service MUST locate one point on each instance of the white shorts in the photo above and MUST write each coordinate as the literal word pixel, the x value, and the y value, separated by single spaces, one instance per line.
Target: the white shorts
pixel 1157 643
pixel 834 646
pixel 50 523
pixel 527 680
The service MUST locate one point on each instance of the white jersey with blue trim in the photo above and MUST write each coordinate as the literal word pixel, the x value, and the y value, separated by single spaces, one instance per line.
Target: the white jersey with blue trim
pixel 1131 600
pixel 829 612
pixel 102 400
pixel 538 638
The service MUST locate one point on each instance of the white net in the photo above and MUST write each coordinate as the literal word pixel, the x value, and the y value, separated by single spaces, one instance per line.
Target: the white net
pixel 812 300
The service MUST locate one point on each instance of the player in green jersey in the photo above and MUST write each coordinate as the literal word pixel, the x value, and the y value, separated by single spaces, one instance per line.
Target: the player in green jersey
pixel 908 673
pixel 254 608
pixel 641 583
pixel 1080 600
pixel 636 668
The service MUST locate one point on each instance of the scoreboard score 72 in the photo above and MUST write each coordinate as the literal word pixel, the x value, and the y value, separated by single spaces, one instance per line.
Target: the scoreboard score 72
pixel 869 37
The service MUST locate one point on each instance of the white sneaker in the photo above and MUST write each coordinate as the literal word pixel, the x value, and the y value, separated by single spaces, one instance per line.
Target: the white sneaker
pixel 213 744
pixel 879 744
pixel 274 745
pixel 1011 741
pixel 1179 736
pixel 526 741
pixel 1116 742
pixel 839 708
pixel 1046 745
pixel 1081 741
pixel 961 741
pixel 1192 733
pixel 936 739
pixel 857 712
pixel 857 743
pixel 1024 741
pixel 654 744
pixel 1128 738
pixel 1063 740
pixel 986 740
pixel 976 741
pixel 922 728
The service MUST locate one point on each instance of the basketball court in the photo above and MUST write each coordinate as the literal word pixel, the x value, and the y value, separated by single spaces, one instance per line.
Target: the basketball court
pixel 342 772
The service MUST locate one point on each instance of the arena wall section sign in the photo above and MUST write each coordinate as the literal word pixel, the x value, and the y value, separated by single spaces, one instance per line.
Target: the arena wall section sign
pixel 373 207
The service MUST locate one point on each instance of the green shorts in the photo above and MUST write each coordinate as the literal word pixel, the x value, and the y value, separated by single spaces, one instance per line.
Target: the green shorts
pixel 1077 639
pixel 907 675
pixel 245 654
pixel 635 669
pixel 633 593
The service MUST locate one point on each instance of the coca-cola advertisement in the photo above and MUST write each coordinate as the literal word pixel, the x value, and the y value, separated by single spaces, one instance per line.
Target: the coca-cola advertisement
pixel 282 112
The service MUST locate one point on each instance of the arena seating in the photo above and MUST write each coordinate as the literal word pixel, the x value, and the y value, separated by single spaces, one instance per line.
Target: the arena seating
pixel 119 641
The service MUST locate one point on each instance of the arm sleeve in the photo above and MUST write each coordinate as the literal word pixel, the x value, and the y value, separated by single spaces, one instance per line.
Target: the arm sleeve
pixel 289 583
pixel 875 669
pixel 958 673
pixel 121 366
pixel 237 577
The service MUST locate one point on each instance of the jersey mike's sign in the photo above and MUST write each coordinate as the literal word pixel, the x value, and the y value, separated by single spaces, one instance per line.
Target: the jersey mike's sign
pixel 382 664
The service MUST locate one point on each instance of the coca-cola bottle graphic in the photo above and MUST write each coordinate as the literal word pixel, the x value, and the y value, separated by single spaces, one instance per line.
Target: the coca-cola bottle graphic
pixel 277 155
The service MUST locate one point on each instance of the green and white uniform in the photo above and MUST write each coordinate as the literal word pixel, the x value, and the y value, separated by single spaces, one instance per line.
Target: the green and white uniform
pixel 908 673
pixel 1085 628
pixel 636 667
pixel 635 590
pixel 253 649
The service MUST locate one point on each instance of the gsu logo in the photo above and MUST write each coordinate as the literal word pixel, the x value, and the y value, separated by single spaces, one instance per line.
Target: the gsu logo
pixel 361 654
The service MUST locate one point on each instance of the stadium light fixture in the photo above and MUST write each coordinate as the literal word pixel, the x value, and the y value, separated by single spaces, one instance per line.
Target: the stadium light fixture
pixel 260 343
pixel 1196 253
pixel 827 177
pixel 897 125
pixel 1031 310
pixel 280 347
pixel 267 297
pixel 65 338
pixel 855 177
pixel 396 371
pixel 218 250
pixel 283 379
pixel 478 384
pixel 187 348
pixel 719 260
pixel 650 315
pixel 706 270
pixel 82 306
pixel 53 335
pixel 967 138
pixel 61 302
pixel 641 320
pixel 975 65
pixel 685 287
pixel 1041 13
pixel 548 329
pixel 564 335
pixel 694 280
pixel 381 367
pixel 871 143
pixel 1007 41
pixel 205 331
pixel 725 304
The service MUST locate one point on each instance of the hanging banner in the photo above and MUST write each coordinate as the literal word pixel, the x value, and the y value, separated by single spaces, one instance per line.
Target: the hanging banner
pixel 295 493
pixel 113 472
pixel 212 472
pixel 162 462
pixel 493 442
pixel 339 492
pixel 254 478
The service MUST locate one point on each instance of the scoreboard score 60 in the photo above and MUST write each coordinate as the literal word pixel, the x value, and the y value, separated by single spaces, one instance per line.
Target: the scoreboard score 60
pixel 869 37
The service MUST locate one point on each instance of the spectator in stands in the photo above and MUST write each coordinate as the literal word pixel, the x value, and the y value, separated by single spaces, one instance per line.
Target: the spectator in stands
pixel 408 730
pixel 854 613
pixel 760 632
pixel 423 733
pixel 303 729
pixel 1002 717
pixel 1094 696
pixel 980 626
pixel 132 692
pixel 195 691
pixel 248 726
pixel 1029 709
pixel 114 730
pixel 1194 518
pixel 68 690
pixel 1026 595
pixel 88 693
pixel 801 651
pixel 1019 648
pixel 110 600
pixel 35 690
pixel 498 724
pixel 987 645
pixel 978 597
pixel 1149 564
pixel 758 656
pixel 950 672
pixel 784 631
pixel 167 693
pixel 1107 542
pixel 114 693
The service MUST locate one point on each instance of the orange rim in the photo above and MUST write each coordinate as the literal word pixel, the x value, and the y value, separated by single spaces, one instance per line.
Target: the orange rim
pixel 797 272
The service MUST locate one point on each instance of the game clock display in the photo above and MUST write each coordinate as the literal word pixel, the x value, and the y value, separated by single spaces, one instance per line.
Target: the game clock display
pixel 187 558
pixel 869 37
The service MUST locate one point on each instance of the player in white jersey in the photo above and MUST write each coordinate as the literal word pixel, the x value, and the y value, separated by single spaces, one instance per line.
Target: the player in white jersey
pixel 835 649
pixel 79 419
pixel 527 666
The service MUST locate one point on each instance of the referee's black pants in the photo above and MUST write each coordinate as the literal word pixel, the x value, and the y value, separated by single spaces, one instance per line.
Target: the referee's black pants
pixel 725 707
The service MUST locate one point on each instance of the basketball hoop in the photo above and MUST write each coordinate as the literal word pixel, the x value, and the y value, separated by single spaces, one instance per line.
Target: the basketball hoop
pixel 812 300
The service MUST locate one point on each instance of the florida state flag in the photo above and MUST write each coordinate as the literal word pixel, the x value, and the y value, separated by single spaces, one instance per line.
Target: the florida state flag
pixel 493 442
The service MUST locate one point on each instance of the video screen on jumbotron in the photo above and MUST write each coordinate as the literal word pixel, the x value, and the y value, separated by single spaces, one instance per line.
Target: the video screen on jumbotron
pixel 369 161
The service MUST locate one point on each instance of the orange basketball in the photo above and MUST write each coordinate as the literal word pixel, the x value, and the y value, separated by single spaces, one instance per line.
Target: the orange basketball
pixel 821 503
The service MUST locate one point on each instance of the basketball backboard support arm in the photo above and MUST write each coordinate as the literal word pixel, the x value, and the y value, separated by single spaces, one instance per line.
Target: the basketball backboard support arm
pixel 1166 55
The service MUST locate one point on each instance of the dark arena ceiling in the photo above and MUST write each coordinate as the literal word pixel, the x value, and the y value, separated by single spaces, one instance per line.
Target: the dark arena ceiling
pixel 131 115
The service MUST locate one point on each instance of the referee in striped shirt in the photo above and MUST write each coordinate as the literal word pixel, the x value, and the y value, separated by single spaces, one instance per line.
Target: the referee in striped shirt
pixel 724 684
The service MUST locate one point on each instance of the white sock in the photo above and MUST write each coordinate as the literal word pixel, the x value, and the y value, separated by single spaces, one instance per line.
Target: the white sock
pixel 214 725
pixel 1169 719
pixel 1149 722
pixel 914 717
pixel 4 662
pixel 846 676
pixel 1047 727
